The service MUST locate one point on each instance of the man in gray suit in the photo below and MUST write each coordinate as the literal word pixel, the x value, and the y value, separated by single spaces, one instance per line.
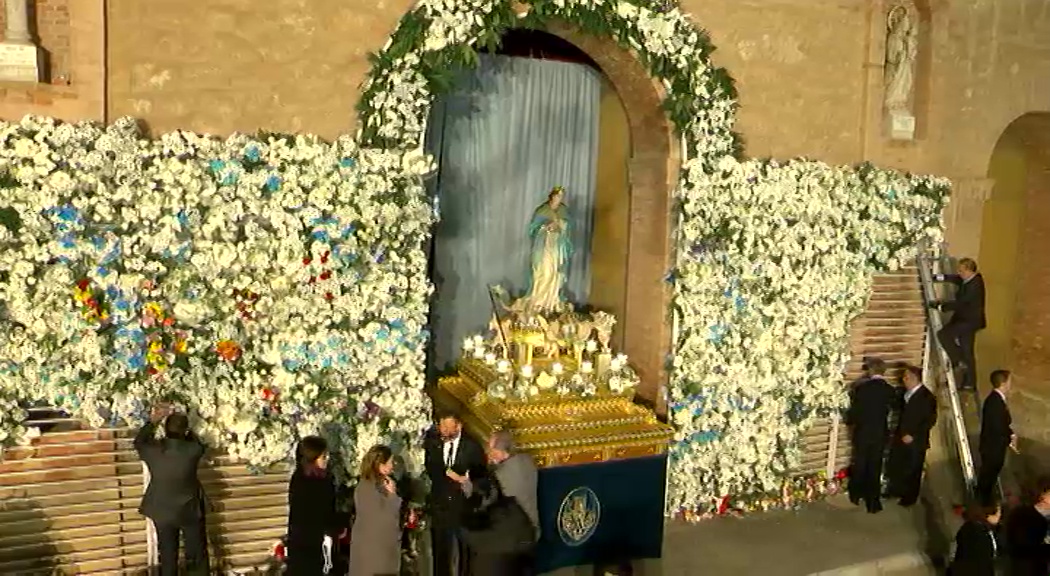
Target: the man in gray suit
pixel 173 498
pixel 504 545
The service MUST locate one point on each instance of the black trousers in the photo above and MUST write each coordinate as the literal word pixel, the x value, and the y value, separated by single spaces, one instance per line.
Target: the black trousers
pixel 958 342
pixel 988 475
pixel 905 471
pixel 446 544
pixel 193 532
pixel 865 473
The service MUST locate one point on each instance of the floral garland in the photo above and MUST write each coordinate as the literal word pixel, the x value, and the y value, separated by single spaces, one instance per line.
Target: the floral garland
pixel 274 286
pixel 773 260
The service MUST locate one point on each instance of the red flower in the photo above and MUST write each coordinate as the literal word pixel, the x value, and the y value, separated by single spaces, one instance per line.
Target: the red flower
pixel 324 258
pixel 306 261
pixel 842 474
pixel 91 303
pixel 723 505
pixel 326 275
pixel 83 284
pixel 169 321
pixel 328 296
pixel 152 371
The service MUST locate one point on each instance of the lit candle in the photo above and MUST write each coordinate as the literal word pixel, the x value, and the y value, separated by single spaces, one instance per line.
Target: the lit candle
pixel 478 341
pixel 479 352
pixel 468 344
pixel 557 368
pixel 592 346
pixel 503 366
pixel 526 371
pixel 490 359
pixel 587 368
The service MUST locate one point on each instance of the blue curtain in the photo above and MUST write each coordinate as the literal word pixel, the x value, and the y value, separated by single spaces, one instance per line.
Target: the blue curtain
pixel 513 129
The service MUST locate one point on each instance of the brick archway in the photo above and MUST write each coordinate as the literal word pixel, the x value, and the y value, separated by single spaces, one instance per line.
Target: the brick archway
pixel 1016 266
pixel 655 156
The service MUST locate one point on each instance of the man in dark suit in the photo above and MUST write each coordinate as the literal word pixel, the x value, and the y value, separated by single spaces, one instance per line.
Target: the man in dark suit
pixel 871 400
pixel 173 499
pixel 450 457
pixel 957 336
pixel 996 436
pixel 918 414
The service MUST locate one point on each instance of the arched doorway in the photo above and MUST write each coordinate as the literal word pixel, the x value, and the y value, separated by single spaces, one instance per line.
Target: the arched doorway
pixel 1016 264
pixel 637 167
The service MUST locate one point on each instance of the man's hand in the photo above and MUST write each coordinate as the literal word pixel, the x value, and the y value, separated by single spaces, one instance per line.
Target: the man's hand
pixel 1013 442
pixel 457 477
pixel 907 439
pixel 160 412
pixel 388 485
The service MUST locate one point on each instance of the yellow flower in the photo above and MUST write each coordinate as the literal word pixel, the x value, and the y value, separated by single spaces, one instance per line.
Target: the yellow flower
pixel 154 308
pixel 180 347
pixel 156 346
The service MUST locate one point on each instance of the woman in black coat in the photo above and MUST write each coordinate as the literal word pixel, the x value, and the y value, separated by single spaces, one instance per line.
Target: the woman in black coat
pixel 1027 533
pixel 312 519
pixel 976 547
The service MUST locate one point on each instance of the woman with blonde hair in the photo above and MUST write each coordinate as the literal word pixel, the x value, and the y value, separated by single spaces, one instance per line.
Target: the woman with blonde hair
pixel 375 539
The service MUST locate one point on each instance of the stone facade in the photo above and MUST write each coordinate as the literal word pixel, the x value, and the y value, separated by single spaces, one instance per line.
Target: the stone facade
pixel 810 77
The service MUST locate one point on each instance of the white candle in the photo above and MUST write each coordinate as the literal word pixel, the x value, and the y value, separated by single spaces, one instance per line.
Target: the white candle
pixel 468 344
pixel 587 368
pixel 503 367
pixel 478 341
pixel 557 368
pixel 526 371
pixel 479 352
pixel 490 358
pixel 592 346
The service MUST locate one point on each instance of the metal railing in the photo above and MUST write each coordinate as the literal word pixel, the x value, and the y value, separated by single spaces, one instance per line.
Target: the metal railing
pixel 936 362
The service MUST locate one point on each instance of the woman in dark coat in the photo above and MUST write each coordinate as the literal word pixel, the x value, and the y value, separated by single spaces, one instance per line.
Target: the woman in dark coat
pixel 976 547
pixel 375 540
pixel 312 519
pixel 1028 533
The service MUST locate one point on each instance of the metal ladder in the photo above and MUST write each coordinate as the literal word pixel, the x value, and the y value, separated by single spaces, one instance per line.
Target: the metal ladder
pixel 932 260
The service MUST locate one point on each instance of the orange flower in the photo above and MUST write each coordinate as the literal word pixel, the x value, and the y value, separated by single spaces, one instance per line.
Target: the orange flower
pixel 228 350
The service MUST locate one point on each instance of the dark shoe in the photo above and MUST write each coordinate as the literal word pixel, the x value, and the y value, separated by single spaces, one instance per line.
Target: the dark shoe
pixel 874 507
pixel 854 501
pixel 907 503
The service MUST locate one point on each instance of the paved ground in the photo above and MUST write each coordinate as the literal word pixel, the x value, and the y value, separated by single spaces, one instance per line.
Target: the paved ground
pixel 825 538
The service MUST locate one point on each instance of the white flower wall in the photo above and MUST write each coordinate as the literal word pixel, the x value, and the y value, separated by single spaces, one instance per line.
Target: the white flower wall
pixel 274 286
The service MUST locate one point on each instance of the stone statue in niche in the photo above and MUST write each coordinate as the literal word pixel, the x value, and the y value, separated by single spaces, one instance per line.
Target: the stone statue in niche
pixel 902 48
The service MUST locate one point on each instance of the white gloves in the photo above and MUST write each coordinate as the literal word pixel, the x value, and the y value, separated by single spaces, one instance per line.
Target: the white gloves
pixel 326 548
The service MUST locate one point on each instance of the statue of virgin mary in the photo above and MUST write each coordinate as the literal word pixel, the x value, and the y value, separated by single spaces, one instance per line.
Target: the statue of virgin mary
pixel 549 233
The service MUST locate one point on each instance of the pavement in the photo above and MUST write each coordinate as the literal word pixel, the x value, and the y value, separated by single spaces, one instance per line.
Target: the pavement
pixel 831 538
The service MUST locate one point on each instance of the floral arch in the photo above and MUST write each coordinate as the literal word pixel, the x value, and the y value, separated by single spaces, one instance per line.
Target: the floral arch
pixel 276 285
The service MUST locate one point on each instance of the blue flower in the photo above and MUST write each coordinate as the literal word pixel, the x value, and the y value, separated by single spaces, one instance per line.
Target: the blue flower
pixel 229 179
pixel 740 303
pixel 137 362
pixel 320 235
pixel 183 218
pixel 98 242
pixel 717 333
pixel 217 165
pixel 67 241
pixel 273 183
pixel 348 162
pixel 252 153
pixel 68 213
pixel 397 324
pixel 102 271
pixel 891 193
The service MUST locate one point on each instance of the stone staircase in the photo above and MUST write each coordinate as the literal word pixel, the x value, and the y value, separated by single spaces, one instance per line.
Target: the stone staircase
pixel 892 328
pixel 68 505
